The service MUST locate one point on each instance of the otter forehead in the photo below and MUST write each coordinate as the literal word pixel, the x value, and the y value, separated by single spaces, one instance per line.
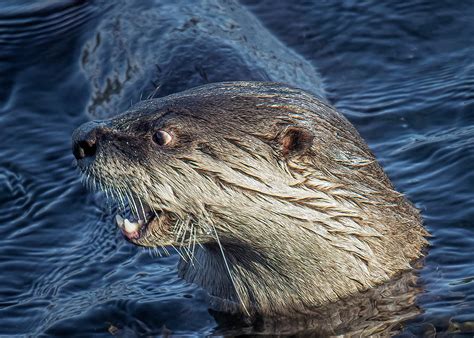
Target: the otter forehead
pixel 228 105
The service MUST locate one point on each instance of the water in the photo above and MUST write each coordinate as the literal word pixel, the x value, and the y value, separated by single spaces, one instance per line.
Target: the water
pixel 402 72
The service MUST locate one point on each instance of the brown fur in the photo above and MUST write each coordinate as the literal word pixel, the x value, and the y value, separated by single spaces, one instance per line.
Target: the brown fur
pixel 279 204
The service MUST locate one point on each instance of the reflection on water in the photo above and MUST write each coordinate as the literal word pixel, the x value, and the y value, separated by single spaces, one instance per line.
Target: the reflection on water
pixel 402 72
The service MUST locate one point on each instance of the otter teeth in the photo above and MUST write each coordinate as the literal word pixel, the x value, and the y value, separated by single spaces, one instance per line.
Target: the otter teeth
pixel 119 220
pixel 128 226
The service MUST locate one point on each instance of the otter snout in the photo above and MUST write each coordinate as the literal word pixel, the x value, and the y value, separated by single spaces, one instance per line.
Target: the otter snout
pixel 86 138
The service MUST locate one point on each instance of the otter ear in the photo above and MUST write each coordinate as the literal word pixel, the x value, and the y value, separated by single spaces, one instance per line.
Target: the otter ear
pixel 295 140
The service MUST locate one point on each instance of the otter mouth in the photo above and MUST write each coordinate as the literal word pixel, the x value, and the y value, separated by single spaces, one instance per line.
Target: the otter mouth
pixel 135 226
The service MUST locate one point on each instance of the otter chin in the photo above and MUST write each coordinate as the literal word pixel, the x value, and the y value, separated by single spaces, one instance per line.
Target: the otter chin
pixel 276 203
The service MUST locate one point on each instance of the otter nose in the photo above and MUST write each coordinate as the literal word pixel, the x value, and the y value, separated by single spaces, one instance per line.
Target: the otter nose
pixel 85 139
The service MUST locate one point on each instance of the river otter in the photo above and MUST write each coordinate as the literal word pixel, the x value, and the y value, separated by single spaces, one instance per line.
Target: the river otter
pixel 278 203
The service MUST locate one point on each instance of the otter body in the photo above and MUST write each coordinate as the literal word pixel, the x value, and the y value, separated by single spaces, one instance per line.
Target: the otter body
pixel 278 204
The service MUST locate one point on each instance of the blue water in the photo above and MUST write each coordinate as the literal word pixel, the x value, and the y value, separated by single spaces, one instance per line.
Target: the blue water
pixel 401 71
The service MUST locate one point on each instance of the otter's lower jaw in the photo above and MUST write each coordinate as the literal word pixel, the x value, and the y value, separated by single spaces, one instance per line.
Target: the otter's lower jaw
pixel 145 227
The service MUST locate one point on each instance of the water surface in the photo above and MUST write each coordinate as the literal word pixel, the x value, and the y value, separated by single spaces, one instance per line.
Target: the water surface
pixel 402 72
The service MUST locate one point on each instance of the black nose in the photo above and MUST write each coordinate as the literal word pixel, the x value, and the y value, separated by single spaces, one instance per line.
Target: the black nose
pixel 85 139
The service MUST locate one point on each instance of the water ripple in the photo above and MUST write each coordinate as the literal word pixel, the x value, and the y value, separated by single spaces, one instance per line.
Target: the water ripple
pixel 402 72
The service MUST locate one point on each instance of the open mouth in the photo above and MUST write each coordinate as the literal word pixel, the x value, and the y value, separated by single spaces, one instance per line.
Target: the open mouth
pixel 136 225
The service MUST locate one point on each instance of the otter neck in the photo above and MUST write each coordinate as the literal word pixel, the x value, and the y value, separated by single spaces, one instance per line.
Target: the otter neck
pixel 265 281
pixel 210 270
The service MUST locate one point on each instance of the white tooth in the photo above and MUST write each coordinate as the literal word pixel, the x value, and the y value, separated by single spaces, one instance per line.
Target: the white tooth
pixel 119 220
pixel 130 227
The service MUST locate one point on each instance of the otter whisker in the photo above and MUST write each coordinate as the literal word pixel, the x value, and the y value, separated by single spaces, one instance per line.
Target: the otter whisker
pixel 178 227
pixel 153 93
pixel 183 237
pixel 107 192
pixel 92 183
pixel 190 248
pixel 157 251
pixel 179 253
pixel 228 269
pixel 101 186
pixel 123 202
pixel 87 180
pixel 190 236
pixel 188 254
pixel 155 212
pixel 143 209
pixel 165 250
pixel 187 250
pixel 131 202
pixel 180 233
pixel 121 198
pixel 193 250
pixel 84 180
pixel 151 252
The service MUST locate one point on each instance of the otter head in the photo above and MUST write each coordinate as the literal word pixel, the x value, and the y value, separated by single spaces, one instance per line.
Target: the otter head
pixel 273 177
pixel 185 161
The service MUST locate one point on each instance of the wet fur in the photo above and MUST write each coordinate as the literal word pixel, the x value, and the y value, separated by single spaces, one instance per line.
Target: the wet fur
pixel 274 177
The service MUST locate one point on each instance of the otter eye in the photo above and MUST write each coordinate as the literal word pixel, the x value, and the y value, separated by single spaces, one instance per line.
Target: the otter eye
pixel 162 138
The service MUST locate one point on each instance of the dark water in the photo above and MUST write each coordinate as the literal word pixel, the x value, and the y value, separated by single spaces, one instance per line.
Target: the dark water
pixel 401 71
